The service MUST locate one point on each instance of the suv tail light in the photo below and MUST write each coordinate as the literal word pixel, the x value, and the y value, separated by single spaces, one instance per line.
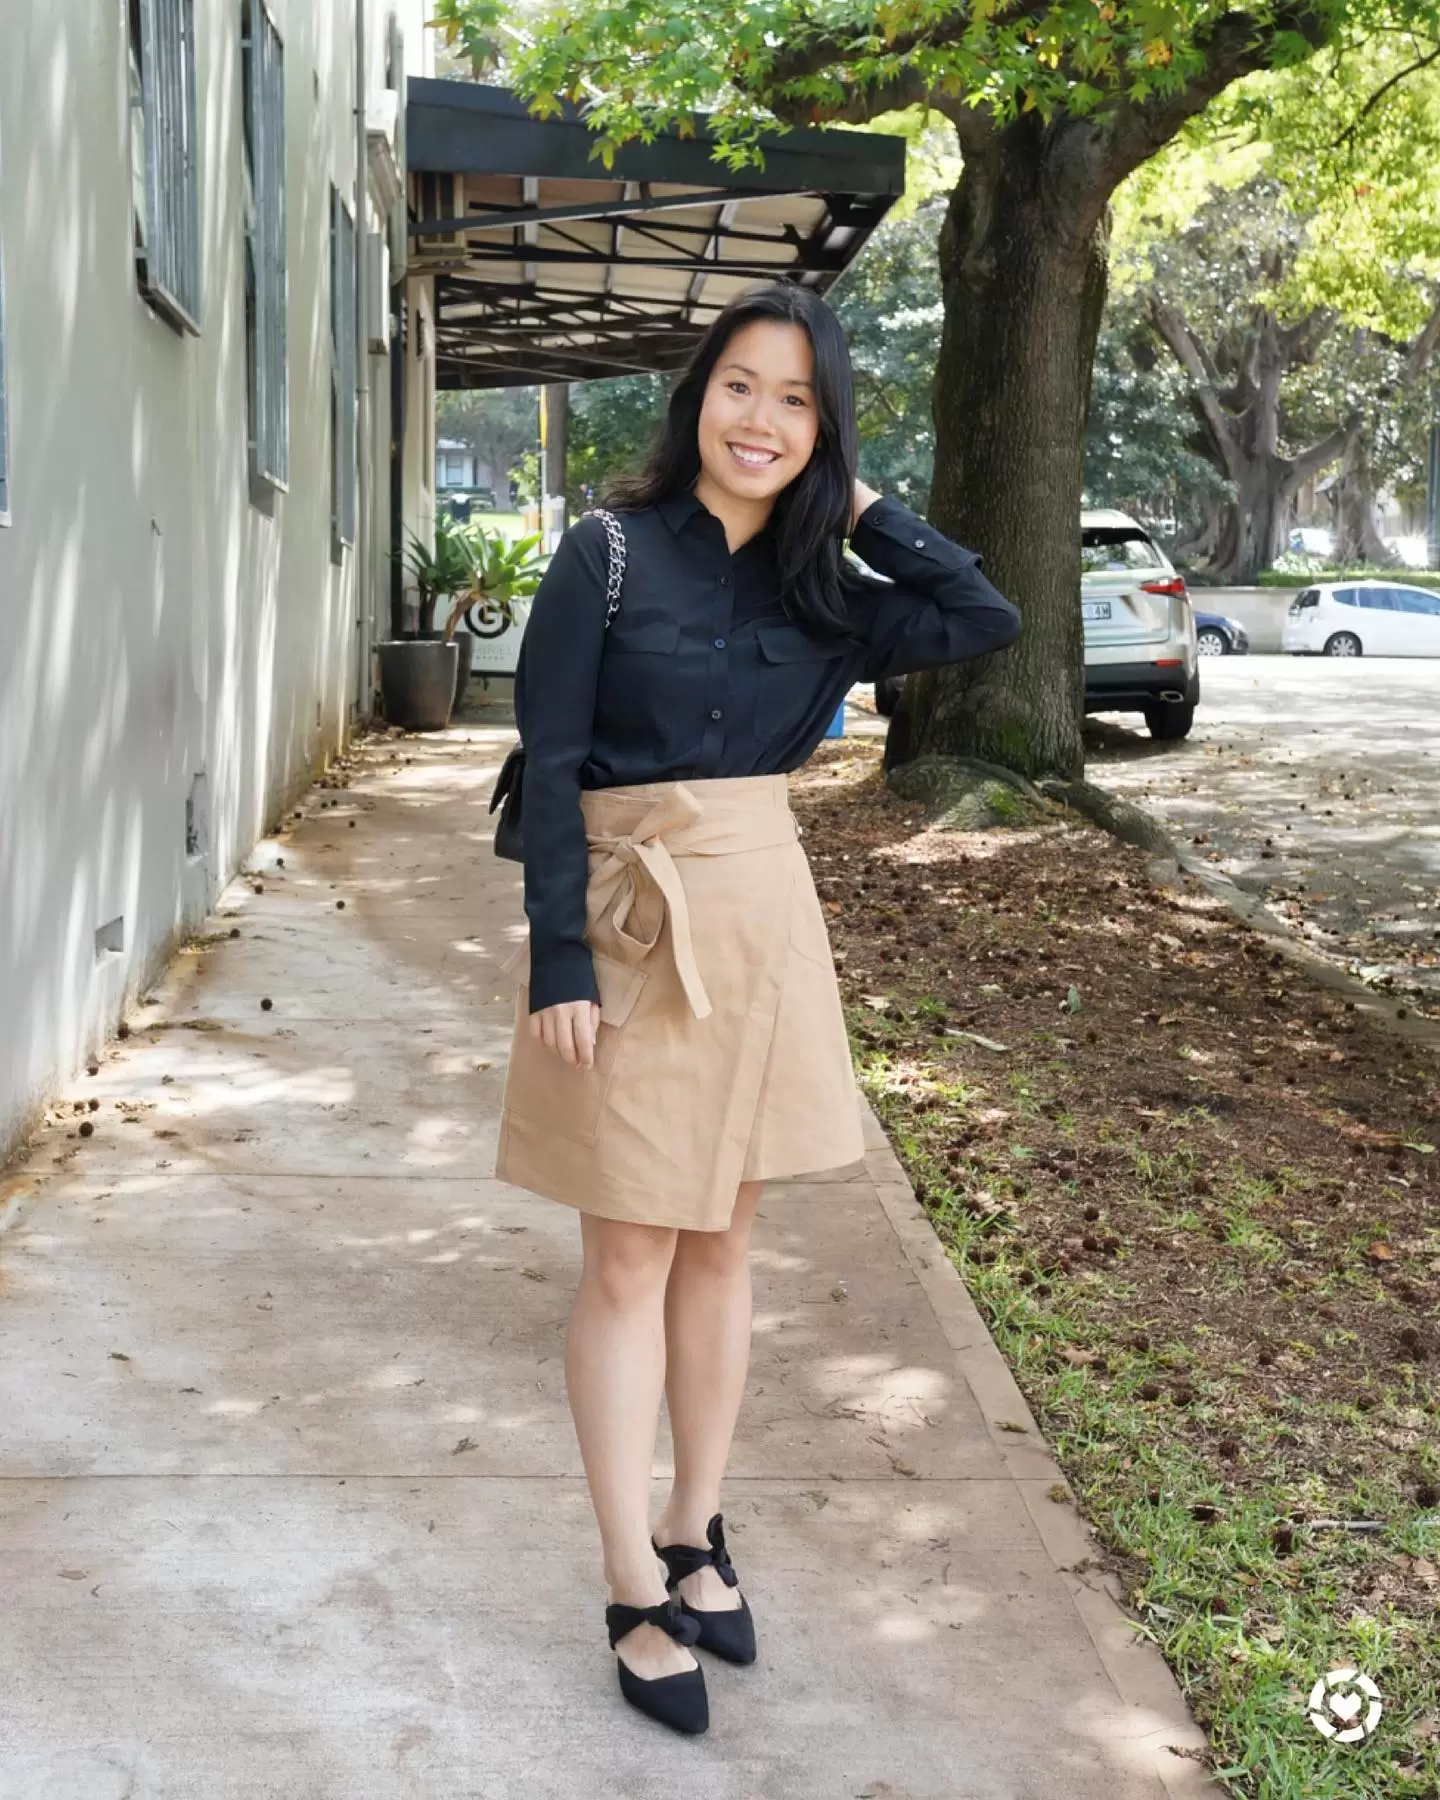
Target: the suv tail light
pixel 1170 584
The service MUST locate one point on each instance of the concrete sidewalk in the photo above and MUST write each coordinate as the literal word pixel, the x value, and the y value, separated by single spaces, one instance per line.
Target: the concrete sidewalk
pixel 291 1504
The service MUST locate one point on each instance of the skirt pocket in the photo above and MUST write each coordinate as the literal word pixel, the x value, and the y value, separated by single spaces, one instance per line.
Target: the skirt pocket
pixel 568 1100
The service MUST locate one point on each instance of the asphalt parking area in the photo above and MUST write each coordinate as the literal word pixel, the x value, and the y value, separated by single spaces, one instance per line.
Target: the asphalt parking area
pixel 1315 784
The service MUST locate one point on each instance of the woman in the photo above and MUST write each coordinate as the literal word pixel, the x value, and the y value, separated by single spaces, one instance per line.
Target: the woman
pixel 679 1038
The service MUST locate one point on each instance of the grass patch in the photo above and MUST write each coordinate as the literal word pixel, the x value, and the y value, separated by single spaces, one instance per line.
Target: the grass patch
pixel 1214 1279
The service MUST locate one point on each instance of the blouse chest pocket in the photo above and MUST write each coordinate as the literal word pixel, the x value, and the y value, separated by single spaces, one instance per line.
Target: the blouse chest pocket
pixel 638 671
pixel 794 668
pixel 653 637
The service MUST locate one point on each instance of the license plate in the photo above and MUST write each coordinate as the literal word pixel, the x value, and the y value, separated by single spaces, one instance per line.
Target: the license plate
pixel 1094 609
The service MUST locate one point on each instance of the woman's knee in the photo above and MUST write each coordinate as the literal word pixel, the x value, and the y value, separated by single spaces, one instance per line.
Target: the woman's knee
pixel 629 1264
pixel 715 1252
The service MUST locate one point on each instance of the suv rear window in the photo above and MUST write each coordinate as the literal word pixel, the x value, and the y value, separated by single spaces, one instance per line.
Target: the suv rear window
pixel 1111 549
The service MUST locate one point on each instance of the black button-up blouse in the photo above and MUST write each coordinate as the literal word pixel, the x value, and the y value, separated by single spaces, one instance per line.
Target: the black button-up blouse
pixel 701 674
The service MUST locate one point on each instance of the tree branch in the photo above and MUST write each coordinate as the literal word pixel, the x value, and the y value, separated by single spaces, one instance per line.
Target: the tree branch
pixel 876 388
pixel 1419 354
pixel 1320 456
pixel 1348 134
pixel 820 53
pixel 1300 341
pixel 1236 44
pixel 860 106
pixel 1171 324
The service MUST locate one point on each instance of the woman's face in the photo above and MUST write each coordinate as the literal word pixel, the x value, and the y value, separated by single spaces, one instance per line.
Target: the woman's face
pixel 758 420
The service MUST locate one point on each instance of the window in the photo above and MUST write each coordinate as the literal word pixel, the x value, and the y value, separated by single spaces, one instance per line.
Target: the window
pixel 342 370
pixel 263 63
pixel 1375 599
pixel 1107 549
pixel 1412 600
pixel 165 174
pixel 4 433
pixel 1347 596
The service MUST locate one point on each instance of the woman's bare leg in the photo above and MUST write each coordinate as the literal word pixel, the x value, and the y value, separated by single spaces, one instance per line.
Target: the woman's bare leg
pixel 614 1376
pixel 707 1339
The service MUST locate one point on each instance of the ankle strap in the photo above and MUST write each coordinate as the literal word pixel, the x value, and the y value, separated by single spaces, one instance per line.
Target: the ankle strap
pixel 681 1560
pixel 619 1620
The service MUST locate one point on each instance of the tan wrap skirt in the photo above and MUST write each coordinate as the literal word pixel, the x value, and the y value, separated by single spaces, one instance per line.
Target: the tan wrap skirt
pixel 721 1054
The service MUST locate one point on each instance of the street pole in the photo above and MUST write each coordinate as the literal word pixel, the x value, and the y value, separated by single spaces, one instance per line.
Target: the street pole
pixel 554 439
pixel 1432 500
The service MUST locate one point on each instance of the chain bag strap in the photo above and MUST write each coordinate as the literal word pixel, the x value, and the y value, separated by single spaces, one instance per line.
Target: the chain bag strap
pixel 509 793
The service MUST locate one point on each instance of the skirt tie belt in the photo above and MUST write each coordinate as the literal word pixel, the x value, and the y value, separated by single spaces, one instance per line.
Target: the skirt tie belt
pixel 634 886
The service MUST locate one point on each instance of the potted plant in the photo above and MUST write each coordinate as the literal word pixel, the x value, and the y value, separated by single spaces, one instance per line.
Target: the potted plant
pixel 506 574
pixel 419 676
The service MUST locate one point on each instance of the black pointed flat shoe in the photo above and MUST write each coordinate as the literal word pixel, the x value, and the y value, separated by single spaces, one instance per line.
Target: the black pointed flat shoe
pixel 679 1701
pixel 727 1634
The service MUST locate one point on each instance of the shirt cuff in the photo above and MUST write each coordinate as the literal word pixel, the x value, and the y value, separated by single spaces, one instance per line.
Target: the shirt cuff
pixel 563 973
pixel 892 522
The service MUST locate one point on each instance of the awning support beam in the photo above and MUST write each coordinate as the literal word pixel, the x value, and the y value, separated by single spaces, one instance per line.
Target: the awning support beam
pixel 493 218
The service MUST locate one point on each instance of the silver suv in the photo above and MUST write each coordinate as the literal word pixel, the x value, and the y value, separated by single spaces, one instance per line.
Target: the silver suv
pixel 1140 650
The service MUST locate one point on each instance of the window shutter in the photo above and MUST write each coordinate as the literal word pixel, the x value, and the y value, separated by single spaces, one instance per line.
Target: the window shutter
pixel 343 372
pixel 266 279
pixel 167 251
pixel 4 430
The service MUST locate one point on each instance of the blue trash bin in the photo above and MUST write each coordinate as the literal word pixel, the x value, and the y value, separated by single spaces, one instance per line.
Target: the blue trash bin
pixel 836 727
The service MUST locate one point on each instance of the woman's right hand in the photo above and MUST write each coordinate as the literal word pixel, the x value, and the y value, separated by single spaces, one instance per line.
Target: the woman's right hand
pixel 569 1030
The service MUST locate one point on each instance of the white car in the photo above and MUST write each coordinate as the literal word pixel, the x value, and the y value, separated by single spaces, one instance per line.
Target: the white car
pixel 1140 649
pixel 1363 618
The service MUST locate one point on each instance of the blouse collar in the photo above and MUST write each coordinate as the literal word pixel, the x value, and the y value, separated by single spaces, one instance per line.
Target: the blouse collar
pixel 679 509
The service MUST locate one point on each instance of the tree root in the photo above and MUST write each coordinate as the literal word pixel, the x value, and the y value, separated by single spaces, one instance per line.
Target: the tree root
pixel 960 793
pixel 1130 823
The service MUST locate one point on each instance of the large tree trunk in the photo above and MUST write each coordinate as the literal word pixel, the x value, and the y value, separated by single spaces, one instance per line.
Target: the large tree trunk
pixel 1235 396
pixel 1357 538
pixel 1255 525
pixel 1200 544
pixel 1024 288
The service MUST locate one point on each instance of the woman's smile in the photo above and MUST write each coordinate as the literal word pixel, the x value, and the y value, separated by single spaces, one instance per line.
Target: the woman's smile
pixel 752 456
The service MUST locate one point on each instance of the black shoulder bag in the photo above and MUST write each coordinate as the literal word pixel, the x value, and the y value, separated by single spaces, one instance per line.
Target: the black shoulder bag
pixel 509 793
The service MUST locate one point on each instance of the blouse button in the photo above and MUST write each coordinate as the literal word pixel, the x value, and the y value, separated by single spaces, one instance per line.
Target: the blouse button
pixel 719 643
pixel 724 581
pixel 716 713
pixel 919 543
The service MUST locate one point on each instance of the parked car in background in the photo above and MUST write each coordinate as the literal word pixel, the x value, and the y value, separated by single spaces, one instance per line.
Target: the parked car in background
pixel 1217 635
pixel 1141 653
pixel 1363 618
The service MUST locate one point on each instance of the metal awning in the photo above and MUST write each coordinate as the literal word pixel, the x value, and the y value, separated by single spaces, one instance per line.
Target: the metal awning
pixel 548 267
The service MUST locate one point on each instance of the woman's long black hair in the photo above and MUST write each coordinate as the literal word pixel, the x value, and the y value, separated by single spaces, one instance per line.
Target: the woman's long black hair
pixel 811 515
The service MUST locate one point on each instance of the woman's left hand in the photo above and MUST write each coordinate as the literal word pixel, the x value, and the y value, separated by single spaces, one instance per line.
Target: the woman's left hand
pixel 864 496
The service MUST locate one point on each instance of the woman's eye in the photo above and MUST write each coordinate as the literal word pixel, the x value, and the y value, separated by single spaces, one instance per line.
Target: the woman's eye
pixel 799 399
